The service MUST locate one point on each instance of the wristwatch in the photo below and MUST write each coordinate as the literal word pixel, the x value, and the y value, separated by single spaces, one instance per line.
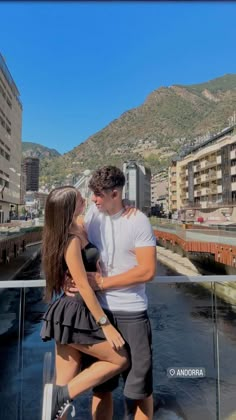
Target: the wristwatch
pixel 102 321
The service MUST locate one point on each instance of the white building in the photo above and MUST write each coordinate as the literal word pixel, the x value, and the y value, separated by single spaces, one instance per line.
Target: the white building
pixel 35 201
pixel 138 185
pixel 82 186
pixel 10 144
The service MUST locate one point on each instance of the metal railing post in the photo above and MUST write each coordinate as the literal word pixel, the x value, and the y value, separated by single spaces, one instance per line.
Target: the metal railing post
pixel 216 354
pixel 20 361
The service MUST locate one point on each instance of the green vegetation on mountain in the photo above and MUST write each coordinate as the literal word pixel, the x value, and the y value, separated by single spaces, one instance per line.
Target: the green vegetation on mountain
pixel 170 119
pixel 45 154
pixel 37 150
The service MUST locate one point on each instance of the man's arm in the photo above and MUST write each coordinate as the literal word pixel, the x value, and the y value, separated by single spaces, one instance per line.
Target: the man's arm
pixel 142 273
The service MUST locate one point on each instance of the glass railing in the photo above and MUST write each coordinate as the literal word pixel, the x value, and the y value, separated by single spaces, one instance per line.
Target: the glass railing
pixel 194 347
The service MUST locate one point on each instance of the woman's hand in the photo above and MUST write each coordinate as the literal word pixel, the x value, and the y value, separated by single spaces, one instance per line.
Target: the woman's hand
pixel 129 208
pixel 113 336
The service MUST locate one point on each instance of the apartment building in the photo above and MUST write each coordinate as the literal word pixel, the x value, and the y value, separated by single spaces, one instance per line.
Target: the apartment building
pixel 172 187
pixel 10 143
pixel 138 185
pixel 22 185
pixel 206 180
pixel 31 170
pixel 159 193
pixel 35 201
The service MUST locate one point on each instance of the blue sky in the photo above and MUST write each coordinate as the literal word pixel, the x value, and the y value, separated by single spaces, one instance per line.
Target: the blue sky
pixel 78 66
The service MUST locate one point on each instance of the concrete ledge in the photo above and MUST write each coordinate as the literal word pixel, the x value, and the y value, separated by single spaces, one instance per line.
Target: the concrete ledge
pixel 177 263
pixel 225 289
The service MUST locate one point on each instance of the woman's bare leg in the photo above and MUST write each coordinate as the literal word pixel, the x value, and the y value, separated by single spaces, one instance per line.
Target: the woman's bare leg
pixel 67 363
pixel 109 364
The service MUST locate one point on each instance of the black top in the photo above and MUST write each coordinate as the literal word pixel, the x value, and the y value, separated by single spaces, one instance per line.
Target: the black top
pixel 90 255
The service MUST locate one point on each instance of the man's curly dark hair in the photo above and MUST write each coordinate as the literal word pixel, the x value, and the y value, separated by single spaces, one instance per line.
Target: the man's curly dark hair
pixel 106 178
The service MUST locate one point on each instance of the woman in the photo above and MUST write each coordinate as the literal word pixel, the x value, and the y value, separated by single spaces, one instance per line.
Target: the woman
pixel 77 324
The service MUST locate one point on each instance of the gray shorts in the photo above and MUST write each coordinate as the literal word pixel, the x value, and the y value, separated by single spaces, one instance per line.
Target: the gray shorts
pixel 135 328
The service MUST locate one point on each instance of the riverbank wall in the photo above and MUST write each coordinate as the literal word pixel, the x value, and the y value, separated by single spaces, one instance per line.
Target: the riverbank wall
pixel 21 251
pixel 182 265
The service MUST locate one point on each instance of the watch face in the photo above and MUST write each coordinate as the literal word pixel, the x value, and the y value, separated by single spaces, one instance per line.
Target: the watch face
pixel 103 320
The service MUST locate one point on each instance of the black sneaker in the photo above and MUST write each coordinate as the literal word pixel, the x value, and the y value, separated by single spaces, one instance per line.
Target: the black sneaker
pixel 54 403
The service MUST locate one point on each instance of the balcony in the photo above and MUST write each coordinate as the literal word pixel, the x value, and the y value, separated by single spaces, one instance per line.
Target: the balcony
pixel 205 191
pixel 218 160
pixel 192 328
pixel 183 172
pixel 197 168
pixel 208 204
pixel 204 177
pixel 209 163
pixel 212 175
pixel 233 170
pixel 233 186
pixel 213 188
pixel 233 154
pixel 197 180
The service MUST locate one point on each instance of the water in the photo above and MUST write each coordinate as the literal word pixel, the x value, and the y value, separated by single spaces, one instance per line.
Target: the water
pixel 184 333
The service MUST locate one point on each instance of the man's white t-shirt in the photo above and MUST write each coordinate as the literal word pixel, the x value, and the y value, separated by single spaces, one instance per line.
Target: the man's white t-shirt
pixel 116 238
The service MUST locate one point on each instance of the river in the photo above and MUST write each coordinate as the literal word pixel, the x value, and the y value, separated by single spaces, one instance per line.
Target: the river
pixel 184 334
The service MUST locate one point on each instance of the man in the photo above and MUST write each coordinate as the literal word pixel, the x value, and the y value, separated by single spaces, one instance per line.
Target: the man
pixel 128 260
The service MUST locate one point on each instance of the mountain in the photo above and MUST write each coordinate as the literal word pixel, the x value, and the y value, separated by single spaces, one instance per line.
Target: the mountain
pixel 37 150
pixel 170 119
pixel 45 154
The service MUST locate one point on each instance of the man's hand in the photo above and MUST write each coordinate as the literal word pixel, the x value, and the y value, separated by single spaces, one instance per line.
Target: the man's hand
pixel 95 280
pixel 70 288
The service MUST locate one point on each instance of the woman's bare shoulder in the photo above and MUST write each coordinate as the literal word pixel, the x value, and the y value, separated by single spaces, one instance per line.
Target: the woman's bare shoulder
pixel 80 221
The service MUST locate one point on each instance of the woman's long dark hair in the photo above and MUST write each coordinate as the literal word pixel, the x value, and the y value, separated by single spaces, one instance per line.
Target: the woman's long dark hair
pixel 59 211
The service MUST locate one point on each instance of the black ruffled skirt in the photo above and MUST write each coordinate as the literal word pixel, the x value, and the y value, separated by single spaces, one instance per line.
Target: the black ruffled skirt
pixel 68 320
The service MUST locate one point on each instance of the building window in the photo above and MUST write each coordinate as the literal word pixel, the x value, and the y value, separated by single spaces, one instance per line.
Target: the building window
pixel 233 162
pixel 4 154
pixel 8 129
pixel 4 173
pixel 2 121
pixel 4 182
pixel 9 103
